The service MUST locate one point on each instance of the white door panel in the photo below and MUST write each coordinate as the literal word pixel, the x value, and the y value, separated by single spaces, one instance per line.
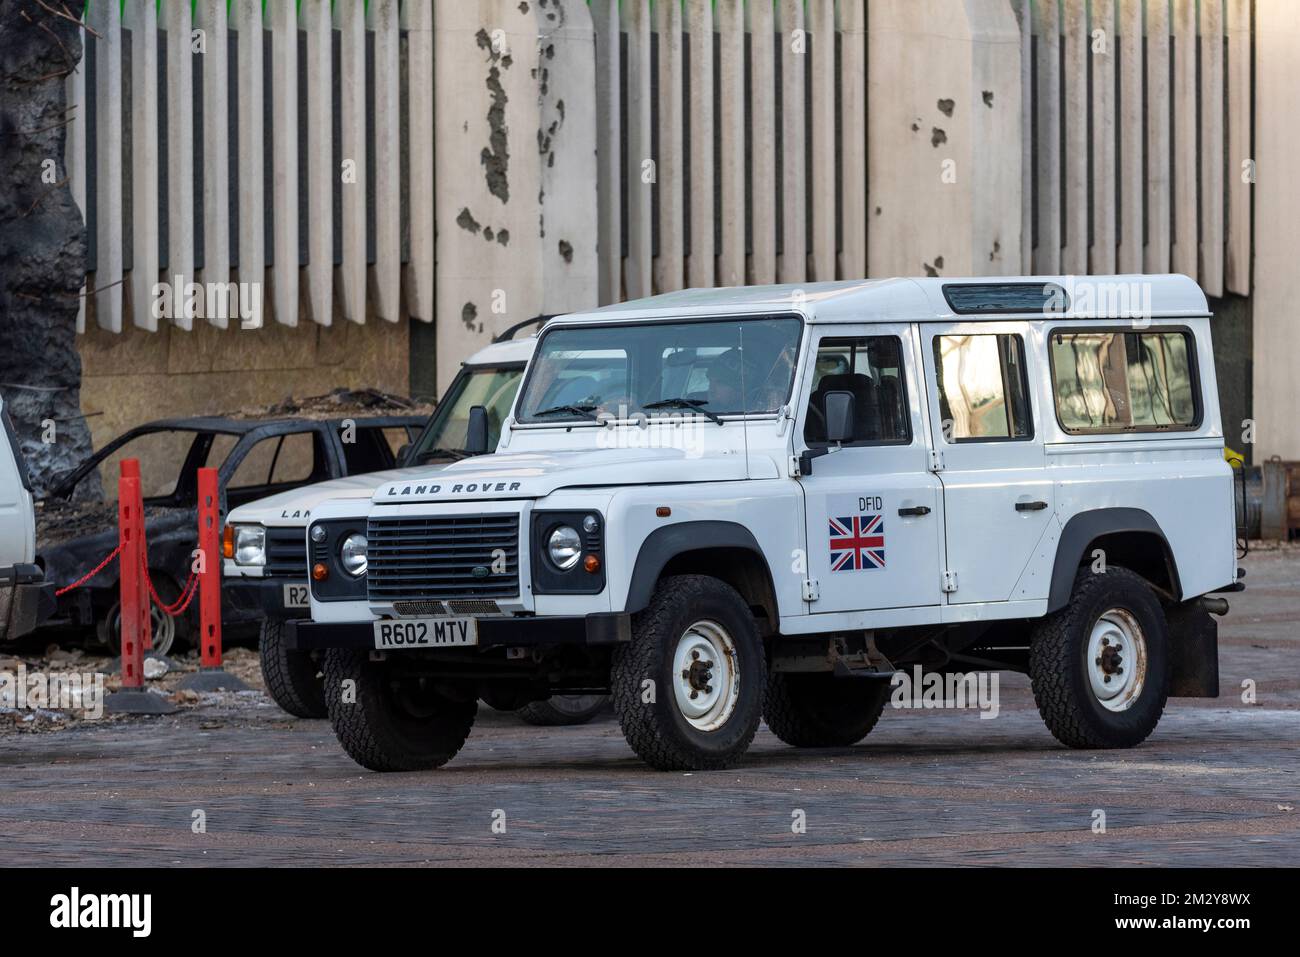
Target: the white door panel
pixel 998 499
pixel 874 512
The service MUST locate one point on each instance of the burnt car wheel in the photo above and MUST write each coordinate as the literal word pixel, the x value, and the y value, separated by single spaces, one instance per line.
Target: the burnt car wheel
pixel 293 678
pixel 169 634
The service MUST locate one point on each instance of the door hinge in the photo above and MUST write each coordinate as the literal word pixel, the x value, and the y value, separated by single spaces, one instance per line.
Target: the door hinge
pixel 795 471
pixel 811 590
pixel 936 461
pixel 949 582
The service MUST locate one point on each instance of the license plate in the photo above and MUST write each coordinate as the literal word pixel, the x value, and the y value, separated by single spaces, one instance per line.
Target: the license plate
pixel 426 633
pixel 296 596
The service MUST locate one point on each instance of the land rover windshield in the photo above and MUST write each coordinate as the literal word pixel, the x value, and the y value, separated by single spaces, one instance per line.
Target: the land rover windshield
pixel 713 368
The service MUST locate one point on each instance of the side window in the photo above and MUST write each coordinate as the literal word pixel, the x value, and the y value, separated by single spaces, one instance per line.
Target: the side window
pixel 1120 381
pixel 983 390
pixel 281 460
pixel 369 450
pixel 871 368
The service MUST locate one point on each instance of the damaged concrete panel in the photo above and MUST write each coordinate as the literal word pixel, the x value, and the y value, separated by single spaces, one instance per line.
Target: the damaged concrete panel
pixel 247 20
pixel 382 19
pixel 958 203
pixel 640 172
pixel 417 20
pixel 284 89
pixel 349 20
pixel 142 20
pixel 106 21
pixel 566 141
pixel 485 129
pixel 315 16
pixel 210 17
pixel 669 271
pixel 176 20
pixel 609 132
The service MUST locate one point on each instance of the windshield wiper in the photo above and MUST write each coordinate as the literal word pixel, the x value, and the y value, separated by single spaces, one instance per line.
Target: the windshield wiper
pixel 695 405
pixel 428 454
pixel 583 410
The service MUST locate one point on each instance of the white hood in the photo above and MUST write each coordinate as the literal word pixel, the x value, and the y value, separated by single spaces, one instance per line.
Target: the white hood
pixel 536 474
pixel 293 508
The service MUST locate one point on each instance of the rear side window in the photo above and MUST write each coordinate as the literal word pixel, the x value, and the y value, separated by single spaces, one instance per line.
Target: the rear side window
pixel 1124 381
pixel 983 391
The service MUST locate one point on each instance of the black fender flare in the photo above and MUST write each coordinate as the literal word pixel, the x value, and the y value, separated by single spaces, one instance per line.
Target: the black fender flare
pixel 1084 528
pixel 664 544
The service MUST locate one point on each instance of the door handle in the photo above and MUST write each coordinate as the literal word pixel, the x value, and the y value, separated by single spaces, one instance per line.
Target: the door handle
pixel 915 510
pixel 1030 506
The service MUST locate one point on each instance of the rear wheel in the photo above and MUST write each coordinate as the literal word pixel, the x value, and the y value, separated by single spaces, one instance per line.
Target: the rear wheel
pixel 821 710
pixel 688 688
pixel 390 721
pixel 293 678
pixel 563 709
pixel 1100 665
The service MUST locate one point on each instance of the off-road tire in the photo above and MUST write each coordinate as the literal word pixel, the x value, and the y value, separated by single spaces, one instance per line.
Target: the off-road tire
pixel 657 730
pixel 1057 666
pixel 376 731
pixel 293 678
pixel 563 710
pixel 821 710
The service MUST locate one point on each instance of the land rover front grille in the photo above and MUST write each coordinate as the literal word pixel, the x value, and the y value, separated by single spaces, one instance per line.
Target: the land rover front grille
pixel 470 557
pixel 286 553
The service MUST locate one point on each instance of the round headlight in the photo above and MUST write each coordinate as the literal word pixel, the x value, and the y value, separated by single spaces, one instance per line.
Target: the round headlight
pixel 352 554
pixel 564 547
pixel 250 545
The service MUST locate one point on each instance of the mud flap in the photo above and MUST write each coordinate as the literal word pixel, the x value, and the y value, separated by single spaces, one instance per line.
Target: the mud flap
pixel 1193 651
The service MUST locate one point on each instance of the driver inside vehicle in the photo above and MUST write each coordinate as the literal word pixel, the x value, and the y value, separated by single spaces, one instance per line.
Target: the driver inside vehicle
pixel 763 389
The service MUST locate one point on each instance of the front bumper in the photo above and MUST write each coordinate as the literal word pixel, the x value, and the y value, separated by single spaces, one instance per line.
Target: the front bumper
pixel 260 597
pixel 26 600
pixel 527 631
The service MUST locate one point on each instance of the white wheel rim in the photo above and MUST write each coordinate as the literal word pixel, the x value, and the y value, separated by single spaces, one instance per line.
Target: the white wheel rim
pixel 1117 660
pixel 706 681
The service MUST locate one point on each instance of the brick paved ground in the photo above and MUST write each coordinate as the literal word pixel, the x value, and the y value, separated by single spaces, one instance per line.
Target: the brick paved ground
pixel 1218 783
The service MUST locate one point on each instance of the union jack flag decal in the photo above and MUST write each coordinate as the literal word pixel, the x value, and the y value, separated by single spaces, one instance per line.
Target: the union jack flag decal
pixel 857 543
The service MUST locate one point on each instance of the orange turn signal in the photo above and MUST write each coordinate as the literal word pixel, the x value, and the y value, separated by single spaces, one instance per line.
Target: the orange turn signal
pixel 228 541
pixel 320 571
pixel 592 564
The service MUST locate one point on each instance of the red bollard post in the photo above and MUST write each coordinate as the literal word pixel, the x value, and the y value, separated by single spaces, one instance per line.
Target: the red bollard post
pixel 130 469
pixel 133 617
pixel 210 580
pixel 134 608
pixel 211 676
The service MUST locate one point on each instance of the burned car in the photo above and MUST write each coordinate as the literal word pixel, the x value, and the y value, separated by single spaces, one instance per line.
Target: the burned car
pixel 257 453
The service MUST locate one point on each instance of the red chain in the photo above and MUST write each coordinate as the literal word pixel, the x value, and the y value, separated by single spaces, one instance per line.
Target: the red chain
pixel 92 573
pixel 176 608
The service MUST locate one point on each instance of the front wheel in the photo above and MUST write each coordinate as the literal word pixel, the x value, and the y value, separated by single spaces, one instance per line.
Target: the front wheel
pixel 390 721
pixel 688 688
pixel 293 678
pixel 1100 666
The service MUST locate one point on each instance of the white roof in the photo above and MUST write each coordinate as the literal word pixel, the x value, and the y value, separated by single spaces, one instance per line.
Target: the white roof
pixel 499 353
pixel 914 300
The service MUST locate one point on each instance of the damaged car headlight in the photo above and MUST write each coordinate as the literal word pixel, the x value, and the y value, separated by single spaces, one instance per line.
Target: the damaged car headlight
pixel 250 545
pixel 352 554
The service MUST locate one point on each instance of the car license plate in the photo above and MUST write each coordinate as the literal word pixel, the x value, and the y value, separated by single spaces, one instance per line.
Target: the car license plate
pixel 297 596
pixel 426 633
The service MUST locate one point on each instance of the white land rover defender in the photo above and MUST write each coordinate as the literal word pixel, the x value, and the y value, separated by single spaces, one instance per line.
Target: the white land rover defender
pixel 729 504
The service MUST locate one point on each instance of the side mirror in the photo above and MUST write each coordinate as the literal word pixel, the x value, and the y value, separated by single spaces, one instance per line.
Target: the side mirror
pixel 402 453
pixel 476 436
pixel 839 416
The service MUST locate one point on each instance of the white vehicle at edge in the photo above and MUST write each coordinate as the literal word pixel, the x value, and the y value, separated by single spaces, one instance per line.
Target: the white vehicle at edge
pixel 26 598
pixel 267 535
pixel 727 504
